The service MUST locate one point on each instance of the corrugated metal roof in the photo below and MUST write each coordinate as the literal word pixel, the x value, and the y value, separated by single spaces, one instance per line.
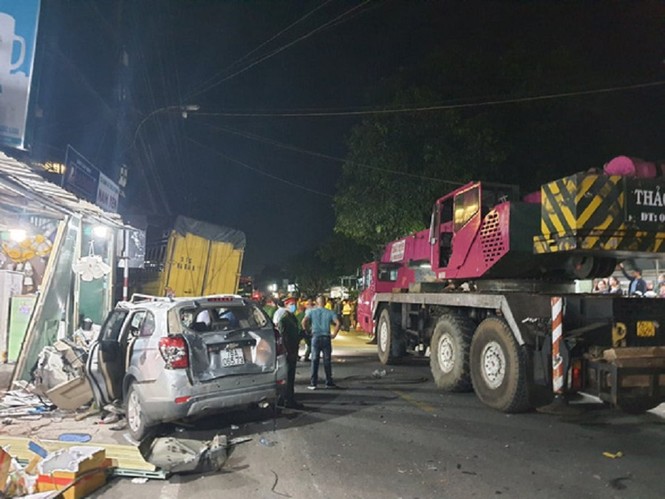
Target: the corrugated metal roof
pixel 23 189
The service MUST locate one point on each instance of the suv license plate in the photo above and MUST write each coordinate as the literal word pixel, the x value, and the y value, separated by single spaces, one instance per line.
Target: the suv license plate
pixel 232 357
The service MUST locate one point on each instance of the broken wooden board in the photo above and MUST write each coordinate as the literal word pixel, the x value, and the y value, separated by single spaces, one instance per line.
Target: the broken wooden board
pixel 125 457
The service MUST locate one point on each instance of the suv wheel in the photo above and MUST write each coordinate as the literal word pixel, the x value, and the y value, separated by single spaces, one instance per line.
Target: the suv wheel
pixel 134 414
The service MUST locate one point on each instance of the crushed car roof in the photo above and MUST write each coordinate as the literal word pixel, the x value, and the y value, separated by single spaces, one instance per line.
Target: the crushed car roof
pixel 161 302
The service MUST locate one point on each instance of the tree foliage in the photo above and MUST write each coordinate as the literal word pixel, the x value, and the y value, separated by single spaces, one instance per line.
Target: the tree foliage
pixel 398 165
pixel 312 274
pixel 344 255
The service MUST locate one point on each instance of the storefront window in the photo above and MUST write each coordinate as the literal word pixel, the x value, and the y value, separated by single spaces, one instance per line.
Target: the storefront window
pixel 94 295
pixel 54 308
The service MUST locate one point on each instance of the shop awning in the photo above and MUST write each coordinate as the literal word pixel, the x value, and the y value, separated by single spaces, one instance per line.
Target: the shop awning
pixel 24 191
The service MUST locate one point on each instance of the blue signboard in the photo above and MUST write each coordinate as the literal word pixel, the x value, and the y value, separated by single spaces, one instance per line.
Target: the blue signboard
pixel 18 37
pixel 81 177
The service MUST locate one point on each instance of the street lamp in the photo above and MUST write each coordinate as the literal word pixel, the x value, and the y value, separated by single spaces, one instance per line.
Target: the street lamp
pixel 183 110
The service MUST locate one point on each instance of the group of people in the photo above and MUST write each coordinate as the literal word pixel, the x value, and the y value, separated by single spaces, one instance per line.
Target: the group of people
pixel 315 323
pixel 637 285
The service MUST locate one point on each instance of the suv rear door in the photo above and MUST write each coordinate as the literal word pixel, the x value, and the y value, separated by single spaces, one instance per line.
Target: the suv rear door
pixel 240 340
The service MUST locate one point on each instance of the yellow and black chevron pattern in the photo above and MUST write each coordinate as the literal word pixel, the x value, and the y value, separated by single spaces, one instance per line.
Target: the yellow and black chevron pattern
pixel 588 212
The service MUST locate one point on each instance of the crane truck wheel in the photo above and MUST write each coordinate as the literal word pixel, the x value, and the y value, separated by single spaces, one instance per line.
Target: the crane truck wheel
pixel 498 367
pixel 449 354
pixel 603 267
pixel 388 339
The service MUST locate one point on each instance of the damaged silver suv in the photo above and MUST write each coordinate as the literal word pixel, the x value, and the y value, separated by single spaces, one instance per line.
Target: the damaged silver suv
pixel 171 358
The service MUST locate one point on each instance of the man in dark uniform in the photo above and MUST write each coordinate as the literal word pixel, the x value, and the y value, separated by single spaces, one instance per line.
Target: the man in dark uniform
pixel 637 285
pixel 305 334
pixel 289 329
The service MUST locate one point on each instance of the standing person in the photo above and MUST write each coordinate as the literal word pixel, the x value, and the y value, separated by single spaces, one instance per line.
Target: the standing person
pixel 269 306
pixel 354 307
pixel 651 291
pixel 305 334
pixel 346 315
pixel 601 286
pixel 615 286
pixel 637 286
pixel 287 325
pixel 320 320
pixel 282 306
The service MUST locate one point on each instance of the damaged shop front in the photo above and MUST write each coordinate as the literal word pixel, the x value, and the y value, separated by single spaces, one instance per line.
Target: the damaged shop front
pixel 57 259
pixel 58 269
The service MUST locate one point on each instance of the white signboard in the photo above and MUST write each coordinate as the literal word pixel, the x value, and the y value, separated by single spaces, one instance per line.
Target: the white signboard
pixel 18 36
pixel 108 193
pixel 397 251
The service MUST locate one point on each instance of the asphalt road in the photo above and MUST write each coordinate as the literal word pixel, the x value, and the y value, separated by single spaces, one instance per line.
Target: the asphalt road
pixel 395 435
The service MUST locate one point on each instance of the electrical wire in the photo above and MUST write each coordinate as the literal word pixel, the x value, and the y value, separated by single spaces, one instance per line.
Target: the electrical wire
pixel 280 49
pixel 257 170
pixel 291 147
pixel 261 45
pixel 319 114
pixel 360 12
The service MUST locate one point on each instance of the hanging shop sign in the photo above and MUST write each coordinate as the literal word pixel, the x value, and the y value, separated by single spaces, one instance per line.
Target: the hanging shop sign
pixel 18 37
pixel 108 194
pixel 86 181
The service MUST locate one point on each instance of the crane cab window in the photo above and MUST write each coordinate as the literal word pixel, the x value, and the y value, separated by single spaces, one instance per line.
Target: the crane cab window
pixel 387 273
pixel 366 279
pixel 466 206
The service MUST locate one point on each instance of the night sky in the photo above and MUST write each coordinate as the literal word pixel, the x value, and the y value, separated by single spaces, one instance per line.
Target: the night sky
pixel 265 175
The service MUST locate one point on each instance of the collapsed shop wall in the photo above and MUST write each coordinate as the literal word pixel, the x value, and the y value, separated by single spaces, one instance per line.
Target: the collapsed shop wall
pixel 58 308
pixel 52 301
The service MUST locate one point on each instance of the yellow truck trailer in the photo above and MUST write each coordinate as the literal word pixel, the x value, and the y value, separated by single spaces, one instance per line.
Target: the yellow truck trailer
pixel 200 259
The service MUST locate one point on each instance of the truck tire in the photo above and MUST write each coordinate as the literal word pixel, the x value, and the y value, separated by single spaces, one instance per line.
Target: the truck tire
pixel 498 367
pixel 449 353
pixel 388 339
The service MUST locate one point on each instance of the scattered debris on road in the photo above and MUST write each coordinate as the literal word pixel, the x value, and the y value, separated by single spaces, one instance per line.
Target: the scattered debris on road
pixel 186 455
pixel 612 455
pixel 77 470
pixel 266 442
pixel 274 485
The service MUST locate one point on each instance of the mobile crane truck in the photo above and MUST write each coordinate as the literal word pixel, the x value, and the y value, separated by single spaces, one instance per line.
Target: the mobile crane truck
pixel 489 291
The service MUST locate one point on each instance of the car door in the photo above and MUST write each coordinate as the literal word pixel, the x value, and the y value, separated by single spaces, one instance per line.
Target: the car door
pixel 144 361
pixel 105 359
pixel 466 224
pixel 108 355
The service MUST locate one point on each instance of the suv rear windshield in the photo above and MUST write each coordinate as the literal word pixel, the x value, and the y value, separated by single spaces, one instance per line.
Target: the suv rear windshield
pixel 228 318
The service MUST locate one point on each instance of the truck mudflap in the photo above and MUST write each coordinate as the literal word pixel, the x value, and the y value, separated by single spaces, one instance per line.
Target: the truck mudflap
pixel 632 378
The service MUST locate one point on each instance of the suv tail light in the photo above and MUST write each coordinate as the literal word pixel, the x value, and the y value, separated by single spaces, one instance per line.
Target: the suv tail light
pixel 174 351
pixel 279 343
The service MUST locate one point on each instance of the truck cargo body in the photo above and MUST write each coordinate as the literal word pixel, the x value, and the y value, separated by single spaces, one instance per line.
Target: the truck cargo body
pixel 199 259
